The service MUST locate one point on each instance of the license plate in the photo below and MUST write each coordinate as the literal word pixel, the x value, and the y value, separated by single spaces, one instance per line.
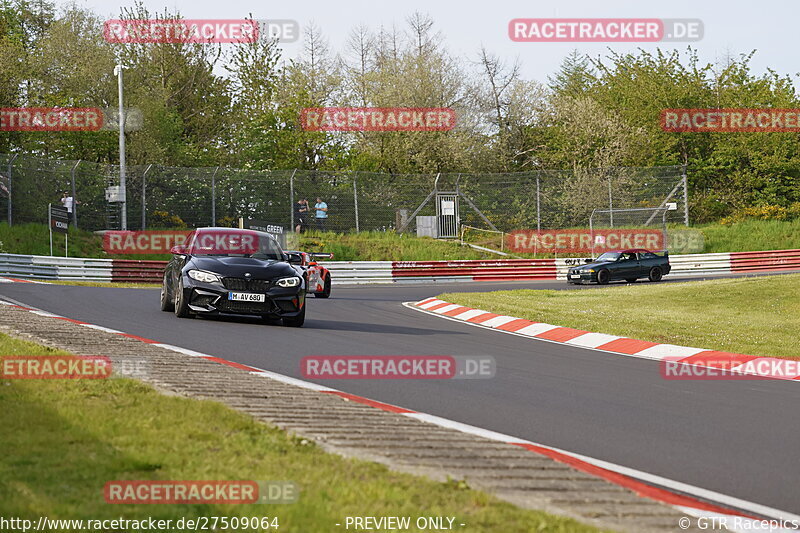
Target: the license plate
pixel 246 297
pixel 573 276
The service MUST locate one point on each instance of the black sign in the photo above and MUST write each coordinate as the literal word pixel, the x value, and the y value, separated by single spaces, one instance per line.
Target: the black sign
pixel 273 229
pixel 59 219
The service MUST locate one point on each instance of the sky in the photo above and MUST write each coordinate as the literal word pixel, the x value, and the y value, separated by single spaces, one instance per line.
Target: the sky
pixel 731 27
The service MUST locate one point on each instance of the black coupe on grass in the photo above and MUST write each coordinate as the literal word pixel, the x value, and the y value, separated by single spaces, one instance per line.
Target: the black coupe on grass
pixel 233 271
pixel 629 265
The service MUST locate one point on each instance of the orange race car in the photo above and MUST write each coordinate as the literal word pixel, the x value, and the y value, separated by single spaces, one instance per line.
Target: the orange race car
pixel 318 277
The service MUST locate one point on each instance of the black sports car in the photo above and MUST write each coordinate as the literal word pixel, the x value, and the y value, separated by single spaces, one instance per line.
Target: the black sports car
pixel 238 271
pixel 629 265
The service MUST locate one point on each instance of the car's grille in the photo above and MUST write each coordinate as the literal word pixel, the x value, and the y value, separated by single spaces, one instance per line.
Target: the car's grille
pixel 241 284
pixel 251 308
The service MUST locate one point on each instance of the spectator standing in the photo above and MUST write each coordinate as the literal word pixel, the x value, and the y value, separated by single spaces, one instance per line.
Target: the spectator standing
pixel 300 214
pixel 321 214
pixel 69 203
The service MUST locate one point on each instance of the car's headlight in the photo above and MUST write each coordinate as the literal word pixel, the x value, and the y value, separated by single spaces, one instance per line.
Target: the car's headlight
pixel 288 282
pixel 205 277
pixel 588 270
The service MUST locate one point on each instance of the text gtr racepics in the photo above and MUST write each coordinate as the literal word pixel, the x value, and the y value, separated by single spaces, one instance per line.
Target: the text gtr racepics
pixel 629 265
pixel 237 271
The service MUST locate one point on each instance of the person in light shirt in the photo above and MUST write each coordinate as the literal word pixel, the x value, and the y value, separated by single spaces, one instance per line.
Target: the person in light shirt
pixel 69 203
pixel 321 213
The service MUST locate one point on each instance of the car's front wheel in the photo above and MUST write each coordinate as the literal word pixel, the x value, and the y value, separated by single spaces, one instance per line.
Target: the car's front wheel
pixel 326 292
pixel 296 321
pixel 166 302
pixel 181 305
pixel 655 274
pixel 603 277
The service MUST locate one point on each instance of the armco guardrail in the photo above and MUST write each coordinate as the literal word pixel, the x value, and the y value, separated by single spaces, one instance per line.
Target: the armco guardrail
pixel 474 270
pixel 369 272
pixel 774 260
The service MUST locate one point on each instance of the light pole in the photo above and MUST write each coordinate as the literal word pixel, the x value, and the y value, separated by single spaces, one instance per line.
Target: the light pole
pixel 122 187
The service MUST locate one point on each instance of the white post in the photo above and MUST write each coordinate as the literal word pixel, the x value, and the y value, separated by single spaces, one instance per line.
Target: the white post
pixel 50 226
pixel 355 201
pixel 124 218
pixel 685 197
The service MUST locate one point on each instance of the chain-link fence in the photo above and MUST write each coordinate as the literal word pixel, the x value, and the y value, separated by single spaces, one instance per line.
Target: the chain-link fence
pixel 164 197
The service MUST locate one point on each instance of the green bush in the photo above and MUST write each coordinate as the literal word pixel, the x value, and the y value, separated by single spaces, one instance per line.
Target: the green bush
pixel 764 212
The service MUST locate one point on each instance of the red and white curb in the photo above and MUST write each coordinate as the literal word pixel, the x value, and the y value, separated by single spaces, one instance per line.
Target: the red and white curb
pixel 17 280
pixel 689 499
pixel 763 367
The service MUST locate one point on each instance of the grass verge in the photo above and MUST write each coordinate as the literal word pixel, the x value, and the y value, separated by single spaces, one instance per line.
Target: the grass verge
pixel 33 239
pixel 745 236
pixel 752 236
pixel 62 440
pixel 756 316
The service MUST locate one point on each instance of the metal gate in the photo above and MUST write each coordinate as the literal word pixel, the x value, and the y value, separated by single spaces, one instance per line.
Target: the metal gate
pixel 447 217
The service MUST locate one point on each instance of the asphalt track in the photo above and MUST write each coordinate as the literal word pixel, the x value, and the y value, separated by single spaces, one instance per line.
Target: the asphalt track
pixel 738 438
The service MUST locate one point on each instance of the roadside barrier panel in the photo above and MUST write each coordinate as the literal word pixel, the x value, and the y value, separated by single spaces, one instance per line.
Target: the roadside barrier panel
pixel 132 270
pixel 773 260
pixel 369 272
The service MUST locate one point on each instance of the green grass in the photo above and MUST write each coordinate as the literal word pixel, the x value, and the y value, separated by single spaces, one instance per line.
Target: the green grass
pixel 756 316
pixel 386 246
pixel 750 235
pixel 62 440
pixel 33 239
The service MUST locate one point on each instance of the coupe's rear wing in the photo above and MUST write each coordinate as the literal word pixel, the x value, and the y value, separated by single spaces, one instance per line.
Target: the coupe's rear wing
pixel 662 253
pixel 320 255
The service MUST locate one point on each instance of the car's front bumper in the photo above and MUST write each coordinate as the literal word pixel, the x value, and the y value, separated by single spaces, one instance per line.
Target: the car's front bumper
pixel 212 298
pixel 582 277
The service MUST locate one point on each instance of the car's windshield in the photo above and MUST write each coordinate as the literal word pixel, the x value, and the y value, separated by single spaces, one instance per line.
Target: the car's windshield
pixel 252 244
pixel 609 256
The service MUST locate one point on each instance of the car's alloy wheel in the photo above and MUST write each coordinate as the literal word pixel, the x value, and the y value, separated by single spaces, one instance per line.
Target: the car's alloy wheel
pixel 603 276
pixel 181 305
pixel 296 321
pixel 166 303
pixel 326 292
pixel 655 274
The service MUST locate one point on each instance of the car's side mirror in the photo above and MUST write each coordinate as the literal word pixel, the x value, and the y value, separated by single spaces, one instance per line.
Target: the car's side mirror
pixel 295 259
pixel 178 249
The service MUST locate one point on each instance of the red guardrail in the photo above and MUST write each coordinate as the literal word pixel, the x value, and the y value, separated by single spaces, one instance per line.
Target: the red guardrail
pixel 123 270
pixel 478 270
pixel 772 260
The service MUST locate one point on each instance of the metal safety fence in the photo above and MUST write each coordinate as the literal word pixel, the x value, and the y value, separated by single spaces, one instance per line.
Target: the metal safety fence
pixel 32 267
pixel 179 197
